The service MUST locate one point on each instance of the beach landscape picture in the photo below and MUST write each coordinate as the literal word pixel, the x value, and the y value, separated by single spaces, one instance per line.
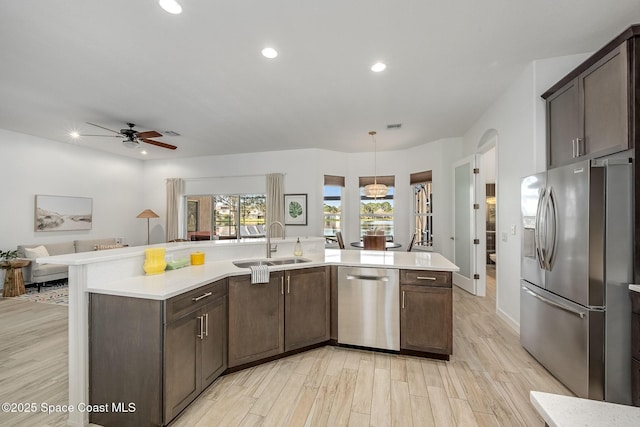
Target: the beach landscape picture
pixel 62 213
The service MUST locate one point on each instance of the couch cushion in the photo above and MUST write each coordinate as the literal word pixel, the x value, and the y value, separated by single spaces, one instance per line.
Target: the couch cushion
pixel 37 252
pixel 46 272
pixel 90 245
pixel 59 248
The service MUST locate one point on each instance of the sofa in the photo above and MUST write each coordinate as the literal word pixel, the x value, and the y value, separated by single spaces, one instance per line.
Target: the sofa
pixel 40 274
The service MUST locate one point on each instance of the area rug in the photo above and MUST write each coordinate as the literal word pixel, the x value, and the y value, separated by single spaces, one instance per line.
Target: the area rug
pixel 58 294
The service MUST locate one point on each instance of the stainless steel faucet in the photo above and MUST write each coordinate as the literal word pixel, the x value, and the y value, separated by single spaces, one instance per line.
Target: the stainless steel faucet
pixel 269 249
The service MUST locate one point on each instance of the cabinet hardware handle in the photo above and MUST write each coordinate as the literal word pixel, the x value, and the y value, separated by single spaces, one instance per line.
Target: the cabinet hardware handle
pixel 282 285
pixel 288 284
pixel 425 278
pixel 579 151
pixel 206 324
pixel 403 292
pixel 208 294
pixel 201 334
pixel 573 148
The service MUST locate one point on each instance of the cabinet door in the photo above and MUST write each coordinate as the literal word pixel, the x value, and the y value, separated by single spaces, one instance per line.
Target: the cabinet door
pixel 182 361
pixel 307 309
pixel 605 92
pixel 426 322
pixel 563 121
pixel 214 343
pixel 256 319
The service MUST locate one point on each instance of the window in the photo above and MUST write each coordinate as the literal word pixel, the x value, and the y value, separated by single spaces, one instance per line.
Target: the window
pixel 422 208
pixel 225 216
pixel 377 214
pixel 332 206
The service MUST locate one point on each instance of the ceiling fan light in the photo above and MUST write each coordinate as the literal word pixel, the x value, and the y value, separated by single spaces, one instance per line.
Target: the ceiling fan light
pixel 376 190
pixel 269 52
pixel 171 6
pixel 378 67
pixel 130 143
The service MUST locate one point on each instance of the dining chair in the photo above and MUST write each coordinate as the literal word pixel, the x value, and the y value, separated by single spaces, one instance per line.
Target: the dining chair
pixel 413 240
pixel 340 240
pixel 374 243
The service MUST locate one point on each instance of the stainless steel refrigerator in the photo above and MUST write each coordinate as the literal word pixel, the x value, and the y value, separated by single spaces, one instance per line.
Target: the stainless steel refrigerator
pixel 577 248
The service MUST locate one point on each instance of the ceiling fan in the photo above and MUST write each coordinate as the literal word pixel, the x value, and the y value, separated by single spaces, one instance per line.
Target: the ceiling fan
pixel 132 138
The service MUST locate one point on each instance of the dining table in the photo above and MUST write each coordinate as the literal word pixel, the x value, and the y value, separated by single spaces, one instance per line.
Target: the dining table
pixel 387 245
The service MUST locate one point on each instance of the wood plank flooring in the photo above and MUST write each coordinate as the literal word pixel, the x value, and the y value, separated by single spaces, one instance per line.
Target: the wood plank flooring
pixel 486 383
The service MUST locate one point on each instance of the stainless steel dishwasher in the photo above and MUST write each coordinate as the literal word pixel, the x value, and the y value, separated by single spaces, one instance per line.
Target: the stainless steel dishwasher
pixel 369 307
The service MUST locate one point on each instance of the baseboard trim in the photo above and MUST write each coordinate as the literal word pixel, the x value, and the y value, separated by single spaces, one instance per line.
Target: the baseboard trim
pixel 508 320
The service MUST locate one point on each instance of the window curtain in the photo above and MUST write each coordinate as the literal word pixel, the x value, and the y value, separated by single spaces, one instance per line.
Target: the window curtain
pixel 275 201
pixel 175 194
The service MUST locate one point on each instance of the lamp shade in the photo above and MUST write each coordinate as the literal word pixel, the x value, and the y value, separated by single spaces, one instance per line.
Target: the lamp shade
pixel 376 190
pixel 148 213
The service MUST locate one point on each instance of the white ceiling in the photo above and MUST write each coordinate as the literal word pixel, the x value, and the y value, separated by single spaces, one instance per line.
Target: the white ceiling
pixel 201 74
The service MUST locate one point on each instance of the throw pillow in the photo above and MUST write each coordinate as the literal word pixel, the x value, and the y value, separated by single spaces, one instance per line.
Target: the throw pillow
pixel 37 252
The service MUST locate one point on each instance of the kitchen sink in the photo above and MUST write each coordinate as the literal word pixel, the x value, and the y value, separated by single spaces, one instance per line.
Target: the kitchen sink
pixel 281 261
pixel 274 261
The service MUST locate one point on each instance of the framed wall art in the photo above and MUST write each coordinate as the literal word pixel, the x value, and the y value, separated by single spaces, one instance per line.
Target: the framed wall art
pixel 295 209
pixel 62 213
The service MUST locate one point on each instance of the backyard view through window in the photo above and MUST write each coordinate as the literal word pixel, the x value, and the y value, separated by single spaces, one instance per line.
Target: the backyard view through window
pixel 332 210
pixel 225 216
pixel 377 214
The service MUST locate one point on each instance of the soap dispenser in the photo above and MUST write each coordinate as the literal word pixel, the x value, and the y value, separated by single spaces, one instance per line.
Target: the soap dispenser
pixel 297 249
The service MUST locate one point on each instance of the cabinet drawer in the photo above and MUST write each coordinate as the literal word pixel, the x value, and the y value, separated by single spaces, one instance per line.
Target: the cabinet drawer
pixel 193 300
pixel 425 278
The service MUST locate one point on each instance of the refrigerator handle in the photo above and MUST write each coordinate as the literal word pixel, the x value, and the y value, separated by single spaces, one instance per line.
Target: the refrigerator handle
pixel 538 226
pixel 555 304
pixel 553 210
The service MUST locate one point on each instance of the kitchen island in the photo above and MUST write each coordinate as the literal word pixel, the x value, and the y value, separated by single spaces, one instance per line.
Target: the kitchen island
pixel 118 273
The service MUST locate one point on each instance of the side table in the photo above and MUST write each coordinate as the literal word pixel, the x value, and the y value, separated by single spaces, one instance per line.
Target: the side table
pixel 13 280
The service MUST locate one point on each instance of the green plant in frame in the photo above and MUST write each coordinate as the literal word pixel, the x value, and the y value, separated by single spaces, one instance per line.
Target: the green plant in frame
pixel 295 209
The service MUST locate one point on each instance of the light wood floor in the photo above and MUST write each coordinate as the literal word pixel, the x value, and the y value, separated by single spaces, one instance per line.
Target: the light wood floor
pixel 486 383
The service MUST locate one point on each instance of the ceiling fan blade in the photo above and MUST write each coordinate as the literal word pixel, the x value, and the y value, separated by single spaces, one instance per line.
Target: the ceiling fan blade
pixel 158 143
pixel 104 136
pixel 102 127
pixel 148 134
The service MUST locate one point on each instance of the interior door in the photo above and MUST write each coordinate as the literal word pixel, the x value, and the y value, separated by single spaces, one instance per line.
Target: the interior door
pixel 465 224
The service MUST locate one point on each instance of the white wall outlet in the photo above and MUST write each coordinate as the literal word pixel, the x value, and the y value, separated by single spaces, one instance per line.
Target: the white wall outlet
pixel 513 229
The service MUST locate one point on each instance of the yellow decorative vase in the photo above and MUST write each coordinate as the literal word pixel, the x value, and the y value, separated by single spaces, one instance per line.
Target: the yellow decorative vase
pixel 154 262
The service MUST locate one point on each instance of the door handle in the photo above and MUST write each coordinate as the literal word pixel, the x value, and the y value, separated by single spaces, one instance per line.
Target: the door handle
pixel 201 334
pixel 554 228
pixel 288 284
pixel 208 294
pixel 282 285
pixel 403 292
pixel 206 324
pixel 555 304
pixel 363 277
pixel 538 228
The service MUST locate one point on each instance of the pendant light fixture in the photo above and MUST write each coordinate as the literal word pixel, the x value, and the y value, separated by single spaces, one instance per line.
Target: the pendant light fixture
pixel 375 190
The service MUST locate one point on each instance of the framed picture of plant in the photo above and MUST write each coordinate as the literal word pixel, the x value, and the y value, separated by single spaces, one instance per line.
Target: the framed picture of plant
pixel 295 209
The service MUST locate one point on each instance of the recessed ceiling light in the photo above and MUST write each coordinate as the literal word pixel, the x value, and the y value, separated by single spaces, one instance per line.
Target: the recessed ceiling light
pixel 74 135
pixel 143 152
pixel 269 52
pixel 378 66
pixel 171 6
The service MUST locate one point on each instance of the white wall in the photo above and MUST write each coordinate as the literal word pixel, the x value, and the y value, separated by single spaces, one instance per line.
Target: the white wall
pixel 304 173
pixel 518 116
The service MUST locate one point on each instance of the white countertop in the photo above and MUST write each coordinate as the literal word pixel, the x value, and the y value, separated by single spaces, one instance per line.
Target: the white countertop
pixel 635 288
pixel 174 282
pixel 567 411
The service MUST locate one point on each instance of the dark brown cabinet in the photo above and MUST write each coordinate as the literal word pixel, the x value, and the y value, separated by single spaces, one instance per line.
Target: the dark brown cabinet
pixel 635 347
pixel 292 311
pixel 195 353
pixel 307 307
pixel 157 354
pixel 256 319
pixel 588 116
pixel 426 311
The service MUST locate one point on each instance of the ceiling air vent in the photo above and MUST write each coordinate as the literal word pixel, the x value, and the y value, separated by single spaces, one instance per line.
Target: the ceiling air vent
pixel 171 133
pixel 394 126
